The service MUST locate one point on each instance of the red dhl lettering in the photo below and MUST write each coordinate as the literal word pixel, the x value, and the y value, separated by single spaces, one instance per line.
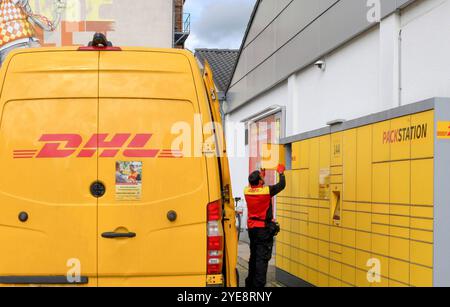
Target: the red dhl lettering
pixel 57 146
pixel 444 133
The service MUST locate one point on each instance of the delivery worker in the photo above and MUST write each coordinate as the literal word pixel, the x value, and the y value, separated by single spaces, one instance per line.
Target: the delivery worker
pixel 134 176
pixel 261 227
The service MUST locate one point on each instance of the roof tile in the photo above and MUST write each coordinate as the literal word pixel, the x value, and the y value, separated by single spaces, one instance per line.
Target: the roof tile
pixel 222 63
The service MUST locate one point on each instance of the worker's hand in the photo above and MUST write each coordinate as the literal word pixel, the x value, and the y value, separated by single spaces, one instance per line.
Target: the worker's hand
pixel 281 168
pixel 263 172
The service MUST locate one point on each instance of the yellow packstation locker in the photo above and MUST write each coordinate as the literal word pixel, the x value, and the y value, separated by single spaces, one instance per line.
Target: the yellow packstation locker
pixel 382 197
pixel 109 174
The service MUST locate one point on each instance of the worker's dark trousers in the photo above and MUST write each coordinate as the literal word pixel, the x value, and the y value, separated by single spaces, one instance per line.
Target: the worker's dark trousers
pixel 261 244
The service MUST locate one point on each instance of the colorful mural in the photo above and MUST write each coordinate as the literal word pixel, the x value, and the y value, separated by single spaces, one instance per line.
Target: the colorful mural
pixel 81 17
pixel 49 23
pixel 20 24
pixel 56 23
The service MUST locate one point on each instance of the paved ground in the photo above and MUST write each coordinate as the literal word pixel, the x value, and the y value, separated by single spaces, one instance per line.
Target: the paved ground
pixel 244 255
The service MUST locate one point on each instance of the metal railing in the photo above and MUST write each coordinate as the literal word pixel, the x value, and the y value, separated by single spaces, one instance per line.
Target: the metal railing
pixel 187 23
pixel 182 34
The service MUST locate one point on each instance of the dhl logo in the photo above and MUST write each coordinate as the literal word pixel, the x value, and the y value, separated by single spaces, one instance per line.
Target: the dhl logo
pixel 67 145
pixel 443 130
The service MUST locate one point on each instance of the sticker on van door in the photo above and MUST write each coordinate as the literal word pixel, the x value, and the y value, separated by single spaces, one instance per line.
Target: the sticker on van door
pixel 128 181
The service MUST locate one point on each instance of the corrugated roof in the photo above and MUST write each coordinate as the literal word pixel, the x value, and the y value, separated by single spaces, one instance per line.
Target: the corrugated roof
pixel 222 63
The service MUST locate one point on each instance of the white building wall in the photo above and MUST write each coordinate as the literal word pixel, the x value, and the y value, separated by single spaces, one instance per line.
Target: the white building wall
pixel 426 51
pixel 140 23
pixel 238 158
pixel 348 88
pixel 149 24
pixel 364 76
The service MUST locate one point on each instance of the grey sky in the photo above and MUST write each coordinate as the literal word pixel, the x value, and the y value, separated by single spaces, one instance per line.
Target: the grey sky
pixel 218 23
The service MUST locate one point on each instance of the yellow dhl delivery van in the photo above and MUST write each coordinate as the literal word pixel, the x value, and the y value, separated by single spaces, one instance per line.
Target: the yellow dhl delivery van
pixel 92 191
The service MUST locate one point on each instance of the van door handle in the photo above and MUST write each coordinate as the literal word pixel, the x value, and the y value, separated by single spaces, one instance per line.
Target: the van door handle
pixel 117 235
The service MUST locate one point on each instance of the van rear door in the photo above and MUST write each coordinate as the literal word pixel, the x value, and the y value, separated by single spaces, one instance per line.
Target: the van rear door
pixel 229 223
pixel 48 218
pixel 152 219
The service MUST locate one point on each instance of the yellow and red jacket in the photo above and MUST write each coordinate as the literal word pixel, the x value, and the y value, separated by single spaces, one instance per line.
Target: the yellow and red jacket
pixel 259 203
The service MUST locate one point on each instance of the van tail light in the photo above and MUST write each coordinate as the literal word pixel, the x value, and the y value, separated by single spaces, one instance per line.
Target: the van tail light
pixel 215 239
pixel 215 211
pixel 92 48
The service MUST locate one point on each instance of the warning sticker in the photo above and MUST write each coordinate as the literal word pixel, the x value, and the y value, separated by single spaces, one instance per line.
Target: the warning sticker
pixel 128 181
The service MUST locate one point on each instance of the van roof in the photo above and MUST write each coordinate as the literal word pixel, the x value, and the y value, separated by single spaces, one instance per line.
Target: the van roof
pixel 158 73
pixel 75 48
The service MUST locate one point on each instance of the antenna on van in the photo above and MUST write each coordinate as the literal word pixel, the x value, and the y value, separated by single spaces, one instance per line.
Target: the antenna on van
pixel 100 40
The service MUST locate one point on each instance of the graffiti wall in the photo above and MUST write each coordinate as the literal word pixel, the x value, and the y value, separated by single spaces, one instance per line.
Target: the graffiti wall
pixel 73 22
pixel 80 17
